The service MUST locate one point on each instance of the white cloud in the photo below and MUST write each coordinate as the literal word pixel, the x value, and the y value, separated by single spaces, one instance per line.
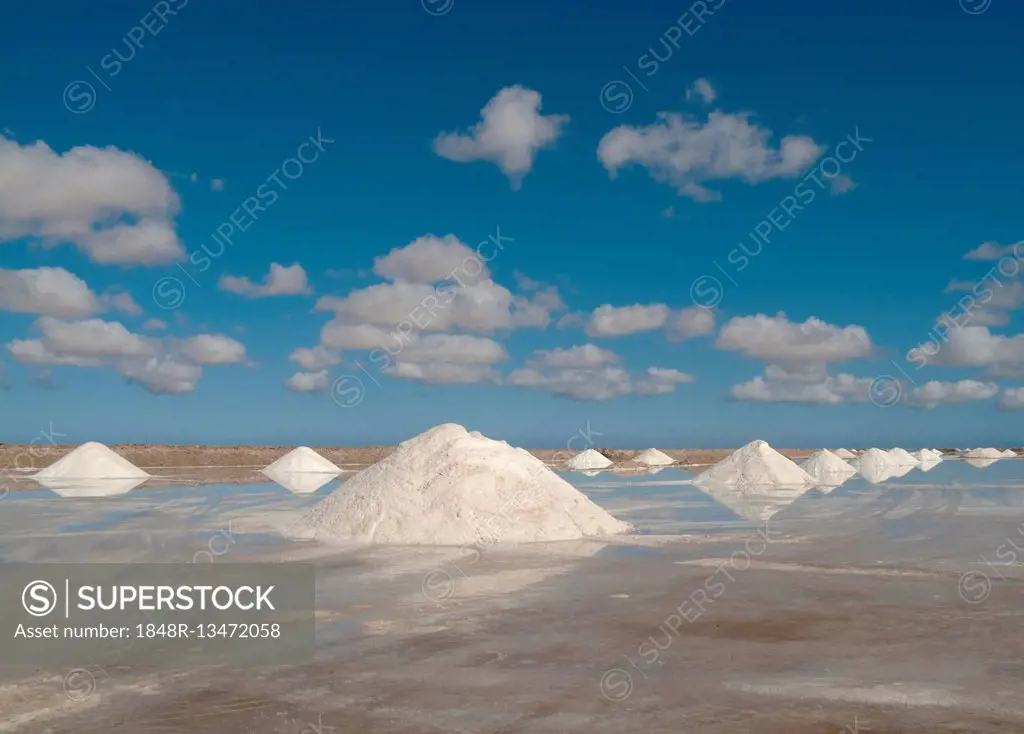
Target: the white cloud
pixel 482 307
pixel 124 303
pixel 432 259
pixel 339 335
pixel 47 292
pixel 588 373
pixel 161 366
pixel 935 393
pixel 991 251
pixel 688 323
pixel 702 88
pixel 661 381
pixel 315 359
pixel 1012 399
pixel 162 375
pixel 595 384
pixel 777 339
pixel 443 373
pixel 510 134
pixel 308 382
pixel 686 153
pixel 609 320
pixel 154 325
pixel 452 349
pixel 842 184
pixel 974 346
pixel 579 356
pixel 806 385
pixel 280 281
pixel 209 349
pixel 83 196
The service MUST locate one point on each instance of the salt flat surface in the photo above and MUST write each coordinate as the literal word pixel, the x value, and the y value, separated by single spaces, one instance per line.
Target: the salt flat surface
pixel 842 605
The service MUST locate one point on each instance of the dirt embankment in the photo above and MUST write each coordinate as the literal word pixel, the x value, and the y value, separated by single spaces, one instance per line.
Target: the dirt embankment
pixel 149 456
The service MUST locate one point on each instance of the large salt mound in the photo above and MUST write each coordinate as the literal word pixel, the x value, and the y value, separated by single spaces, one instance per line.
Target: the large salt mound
pixel 451 487
pixel 902 457
pixel 653 457
pixel 589 459
pixel 844 454
pixel 983 454
pixel 756 463
pixel 827 468
pixel 91 461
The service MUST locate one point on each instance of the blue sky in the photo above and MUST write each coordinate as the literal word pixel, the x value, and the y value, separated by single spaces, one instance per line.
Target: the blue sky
pixel 619 152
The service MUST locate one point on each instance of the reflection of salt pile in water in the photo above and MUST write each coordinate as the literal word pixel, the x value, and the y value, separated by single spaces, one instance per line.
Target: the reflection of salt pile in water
pixel 756 463
pixel 980 463
pixel 751 501
pixel 827 469
pixel 983 454
pixel 302 470
pixel 902 457
pixel 91 470
pixel 452 487
pixel 844 454
pixel 653 457
pixel 589 459
pixel 755 481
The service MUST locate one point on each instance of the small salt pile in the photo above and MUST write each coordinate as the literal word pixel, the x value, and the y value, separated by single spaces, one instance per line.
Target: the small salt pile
pixel 983 454
pixel 1010 454
pixel 757 463
pixel 302 470
pixel 91 460
pixel 653 457
pixel 902 457
pixel 589 459
pixel 448 486
pixel 876 465
pixel 844 454
pixel 91 470
pixel 827 468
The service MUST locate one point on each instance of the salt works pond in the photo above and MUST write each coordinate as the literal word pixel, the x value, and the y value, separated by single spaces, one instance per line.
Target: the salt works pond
pixel 881 607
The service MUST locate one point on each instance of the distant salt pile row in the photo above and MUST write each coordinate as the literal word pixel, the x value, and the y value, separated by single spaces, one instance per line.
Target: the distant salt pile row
pixel 302 470
pixel 452 487
pixel 828 469
pixel 653 457
pixel 844 454
pixel 589 459
pixel 757 463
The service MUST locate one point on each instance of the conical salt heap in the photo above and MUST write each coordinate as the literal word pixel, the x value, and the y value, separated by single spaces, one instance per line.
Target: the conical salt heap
pixel 302 470
pixel 589 459
pixel 902 457
pixel 983 454
pixel 827 468
pixel 91 470
pixel 91 460
pixel 844 454
pixel 452 487
pixel 757 463
pixel 653 457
